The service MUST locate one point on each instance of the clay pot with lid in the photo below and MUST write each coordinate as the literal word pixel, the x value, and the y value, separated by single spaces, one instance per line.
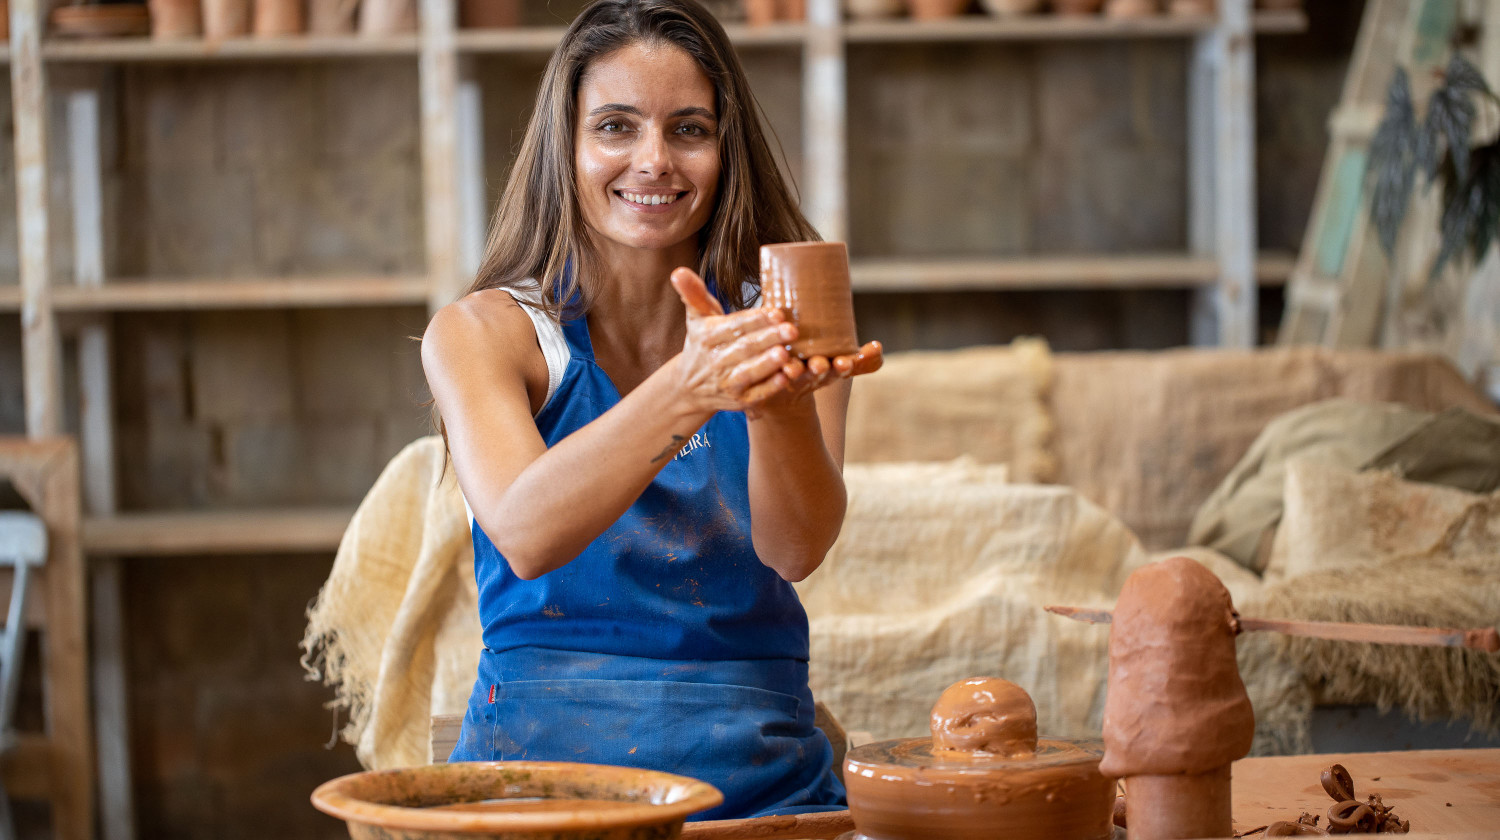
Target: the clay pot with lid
pixel 982 774
pixel 514 800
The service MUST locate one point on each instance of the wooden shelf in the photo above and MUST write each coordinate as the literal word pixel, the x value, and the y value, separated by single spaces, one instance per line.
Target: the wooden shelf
pixel 1101 271
pixel 279 293
pixel 541 39
pixel 10 298
pixel 217 532
pixel 1055 28
pixel 236 49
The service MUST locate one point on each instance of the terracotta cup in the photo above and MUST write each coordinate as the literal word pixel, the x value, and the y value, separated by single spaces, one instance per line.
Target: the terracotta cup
pixel 226 19
pixel 810 282
pixel 172 19
pixel 331 17
pixel 278 17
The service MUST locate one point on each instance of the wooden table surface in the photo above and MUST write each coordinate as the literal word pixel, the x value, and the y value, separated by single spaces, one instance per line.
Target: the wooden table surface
pixel 1444 792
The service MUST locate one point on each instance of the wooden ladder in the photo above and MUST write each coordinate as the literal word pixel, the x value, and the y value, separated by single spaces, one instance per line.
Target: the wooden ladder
pixel 1337 291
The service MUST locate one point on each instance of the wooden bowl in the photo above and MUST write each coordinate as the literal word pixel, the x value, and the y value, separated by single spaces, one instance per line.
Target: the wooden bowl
pixel 514 800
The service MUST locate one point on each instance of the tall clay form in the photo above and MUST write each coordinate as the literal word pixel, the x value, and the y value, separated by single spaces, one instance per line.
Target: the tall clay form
pixel 279 17
pixel 226 19
pixel 1177 714
pixel 172 19
pixel 810 281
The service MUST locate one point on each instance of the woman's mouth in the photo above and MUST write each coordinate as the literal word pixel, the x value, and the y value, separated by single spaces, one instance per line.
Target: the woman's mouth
pixel 651 199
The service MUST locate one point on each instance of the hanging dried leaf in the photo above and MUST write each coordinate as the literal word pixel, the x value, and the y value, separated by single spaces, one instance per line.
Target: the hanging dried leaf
pixel 1392 162
pixel 1463 76
pixel 1450 118
pixel 1486 160
pixel 1462 208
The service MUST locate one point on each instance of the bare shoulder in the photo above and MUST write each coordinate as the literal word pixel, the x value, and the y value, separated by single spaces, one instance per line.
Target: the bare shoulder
pixel 486 324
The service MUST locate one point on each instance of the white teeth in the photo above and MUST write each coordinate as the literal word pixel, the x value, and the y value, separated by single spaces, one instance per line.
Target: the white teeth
pixel 636 198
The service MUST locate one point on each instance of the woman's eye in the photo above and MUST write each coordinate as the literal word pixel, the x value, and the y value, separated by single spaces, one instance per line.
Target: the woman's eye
pixel 692 130
pixel 612 126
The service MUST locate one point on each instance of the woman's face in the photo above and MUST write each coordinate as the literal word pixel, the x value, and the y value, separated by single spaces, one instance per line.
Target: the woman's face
pixel 646 151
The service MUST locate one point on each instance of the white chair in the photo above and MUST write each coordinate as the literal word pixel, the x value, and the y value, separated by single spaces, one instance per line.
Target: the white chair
pixel 23 547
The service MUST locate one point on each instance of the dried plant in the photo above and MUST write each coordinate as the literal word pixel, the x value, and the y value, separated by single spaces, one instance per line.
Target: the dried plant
pixel 1440 149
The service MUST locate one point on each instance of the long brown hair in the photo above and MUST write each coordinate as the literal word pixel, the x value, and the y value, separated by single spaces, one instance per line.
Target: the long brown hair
pixel 538 229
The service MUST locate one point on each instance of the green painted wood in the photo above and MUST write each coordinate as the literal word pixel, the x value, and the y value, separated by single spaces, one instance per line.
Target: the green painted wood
pixel 1435 22
pixel 1340 212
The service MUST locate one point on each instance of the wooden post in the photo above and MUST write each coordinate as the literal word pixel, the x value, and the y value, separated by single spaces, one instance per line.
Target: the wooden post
pixel 825 194
pixel 45 473
pixel 96 435
pixel 473 206
pixel 1222 167
pixel 39 343
pixel 438 67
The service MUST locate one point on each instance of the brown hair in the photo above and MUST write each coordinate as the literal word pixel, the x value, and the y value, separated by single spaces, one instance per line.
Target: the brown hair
pixel 538 229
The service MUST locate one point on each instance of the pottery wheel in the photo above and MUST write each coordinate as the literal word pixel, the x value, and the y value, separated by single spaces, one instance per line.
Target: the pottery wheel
pixel 907 790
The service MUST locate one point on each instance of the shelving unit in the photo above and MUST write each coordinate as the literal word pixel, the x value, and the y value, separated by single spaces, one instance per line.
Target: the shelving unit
pixel 1222 264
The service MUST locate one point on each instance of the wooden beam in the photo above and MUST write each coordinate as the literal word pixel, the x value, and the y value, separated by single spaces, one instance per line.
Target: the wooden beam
pixel 438 83
pixel 45 473
pixel 40 349
pixel 1125 271
pixel 27 767
pixel 292 531
pixel 825 196
pixel 125 295
pixel 304 47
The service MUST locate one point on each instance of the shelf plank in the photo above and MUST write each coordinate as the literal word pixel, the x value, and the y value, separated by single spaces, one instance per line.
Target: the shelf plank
pixel 277 293
pixel 543 39
pixel 216 532
pixel 1055 28
pixel 234 49
pixel 10 297
pixel 1101 271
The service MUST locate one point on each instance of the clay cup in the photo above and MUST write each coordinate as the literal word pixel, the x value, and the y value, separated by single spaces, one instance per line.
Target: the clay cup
pixel 810 282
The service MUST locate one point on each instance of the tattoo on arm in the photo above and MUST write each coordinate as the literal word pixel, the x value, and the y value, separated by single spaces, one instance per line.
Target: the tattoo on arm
pixel 677 442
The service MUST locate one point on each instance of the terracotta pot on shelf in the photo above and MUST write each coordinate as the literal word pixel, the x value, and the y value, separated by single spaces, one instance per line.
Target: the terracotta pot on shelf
pixel 791 10
pixel 1012 8
pixel 387 17
pixel 226 19
pixel 172 19
pixel 331 17
pixel 1127 9
pixel 1077 7
pixel 278 17
pixel 112 20
pixel 489 14
pixel 1191 8
pixel 760 12
pixel 868 9
pixel 937 9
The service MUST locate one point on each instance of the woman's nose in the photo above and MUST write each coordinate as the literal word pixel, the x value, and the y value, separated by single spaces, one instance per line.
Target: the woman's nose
pixel 653 155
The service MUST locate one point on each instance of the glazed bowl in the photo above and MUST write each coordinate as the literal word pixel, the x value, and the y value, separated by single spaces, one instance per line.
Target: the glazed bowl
pixel 514 800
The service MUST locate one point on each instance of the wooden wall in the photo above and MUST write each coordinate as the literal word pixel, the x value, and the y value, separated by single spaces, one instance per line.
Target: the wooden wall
pixel 313 168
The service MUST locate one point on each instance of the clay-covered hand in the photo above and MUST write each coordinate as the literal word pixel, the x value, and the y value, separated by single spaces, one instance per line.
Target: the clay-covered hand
pixel 735 361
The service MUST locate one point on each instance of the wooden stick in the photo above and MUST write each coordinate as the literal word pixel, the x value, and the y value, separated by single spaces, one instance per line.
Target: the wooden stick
pixel 823 825
pixel 1478 638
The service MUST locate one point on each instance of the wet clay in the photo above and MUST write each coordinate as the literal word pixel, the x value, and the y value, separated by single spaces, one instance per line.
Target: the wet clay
pixel 1176 705
pixel 533 806
pixel 983 717
pixel 810 282
pixel 982 768
pixel 1180 805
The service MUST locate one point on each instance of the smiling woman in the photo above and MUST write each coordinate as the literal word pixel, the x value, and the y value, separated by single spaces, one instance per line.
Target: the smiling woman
pixel 647 465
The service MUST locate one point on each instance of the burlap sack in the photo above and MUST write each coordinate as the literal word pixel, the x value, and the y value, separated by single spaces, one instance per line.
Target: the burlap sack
pixel 1149 435
pixel 988 403
pixel 395 629
pixel 1370 547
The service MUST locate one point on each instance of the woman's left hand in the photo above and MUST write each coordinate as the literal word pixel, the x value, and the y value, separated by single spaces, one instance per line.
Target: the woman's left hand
pixel 817 371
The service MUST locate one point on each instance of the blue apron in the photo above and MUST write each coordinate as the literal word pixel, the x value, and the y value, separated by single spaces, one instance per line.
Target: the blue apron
pixel 667 644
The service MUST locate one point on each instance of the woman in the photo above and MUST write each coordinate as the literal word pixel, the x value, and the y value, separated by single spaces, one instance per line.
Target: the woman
pixel 646 473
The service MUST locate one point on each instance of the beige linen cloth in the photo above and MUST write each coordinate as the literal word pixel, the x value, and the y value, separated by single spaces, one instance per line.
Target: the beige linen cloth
pixel 940 573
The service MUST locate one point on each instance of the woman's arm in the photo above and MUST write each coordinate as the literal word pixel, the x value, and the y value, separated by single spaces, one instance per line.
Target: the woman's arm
pixel 542 506
pixel 797 495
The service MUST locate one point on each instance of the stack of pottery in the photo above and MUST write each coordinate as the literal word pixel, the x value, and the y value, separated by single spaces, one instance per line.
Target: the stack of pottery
pixel 225 19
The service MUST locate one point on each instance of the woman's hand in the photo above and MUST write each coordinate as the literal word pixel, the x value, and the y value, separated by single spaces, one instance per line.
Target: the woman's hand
pixel 731 362
pixel 818 371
